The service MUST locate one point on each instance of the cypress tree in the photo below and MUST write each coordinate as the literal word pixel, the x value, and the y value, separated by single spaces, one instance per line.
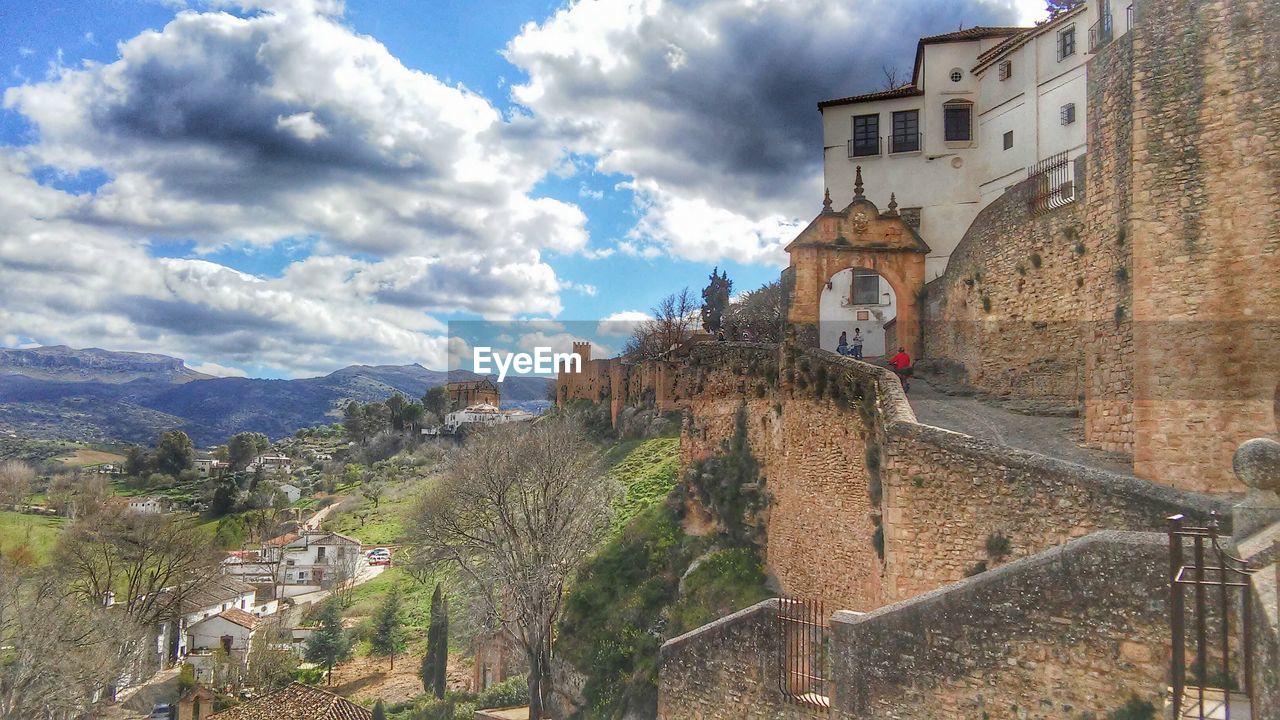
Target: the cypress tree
pixel 434 663
pixel 379 712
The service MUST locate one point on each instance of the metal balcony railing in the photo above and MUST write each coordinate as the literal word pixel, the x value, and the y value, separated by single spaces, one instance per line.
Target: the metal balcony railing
pixel 906 143
pixel 1100 32
pixel 864 147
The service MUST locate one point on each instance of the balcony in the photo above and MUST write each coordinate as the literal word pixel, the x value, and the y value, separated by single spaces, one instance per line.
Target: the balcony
pixel 864 147
pixel 906 143
pixel 1100 33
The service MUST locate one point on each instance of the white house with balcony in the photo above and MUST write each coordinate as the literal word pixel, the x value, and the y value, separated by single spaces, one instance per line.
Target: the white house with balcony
pixel 983 105
pixel 312 560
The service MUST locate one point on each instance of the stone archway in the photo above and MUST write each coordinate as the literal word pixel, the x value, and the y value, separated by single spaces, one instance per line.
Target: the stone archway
pixel 859 236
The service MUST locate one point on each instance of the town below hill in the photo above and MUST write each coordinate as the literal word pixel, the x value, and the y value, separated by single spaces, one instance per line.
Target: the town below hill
pixel 101 396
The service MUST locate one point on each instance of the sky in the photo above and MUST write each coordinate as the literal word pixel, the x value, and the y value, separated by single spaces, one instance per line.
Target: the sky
pixel 280 188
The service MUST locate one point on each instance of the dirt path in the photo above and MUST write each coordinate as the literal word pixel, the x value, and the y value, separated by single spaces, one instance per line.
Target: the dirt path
pixel 1059 437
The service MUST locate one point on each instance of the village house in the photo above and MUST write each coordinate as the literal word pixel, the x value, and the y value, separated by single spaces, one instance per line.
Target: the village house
pixel 312 560
pixel 292 492
pixel 297 702
pixel 272 462
pixel 208 466
pixel 482 414
pixel 149 505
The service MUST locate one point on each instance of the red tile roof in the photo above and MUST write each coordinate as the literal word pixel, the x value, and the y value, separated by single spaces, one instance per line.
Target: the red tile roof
pixel 239 617
pixel 907 90
pixel 978 32
pixel 297 702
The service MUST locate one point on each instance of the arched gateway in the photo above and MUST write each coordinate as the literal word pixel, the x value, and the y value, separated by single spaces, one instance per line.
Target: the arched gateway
pixel 856 267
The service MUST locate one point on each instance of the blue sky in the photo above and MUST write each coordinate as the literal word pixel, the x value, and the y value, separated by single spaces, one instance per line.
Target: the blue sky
pixel 282 187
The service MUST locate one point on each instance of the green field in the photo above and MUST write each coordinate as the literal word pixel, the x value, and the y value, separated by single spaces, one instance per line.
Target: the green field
pixel 38 533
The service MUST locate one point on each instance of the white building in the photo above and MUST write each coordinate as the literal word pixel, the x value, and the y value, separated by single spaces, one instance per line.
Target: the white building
pixel 230 630
pixel 983 105
pixel 482 414
pixel 292 492
pixel 207 466
pixel 312 561
pixel 272 462
pixel 148 505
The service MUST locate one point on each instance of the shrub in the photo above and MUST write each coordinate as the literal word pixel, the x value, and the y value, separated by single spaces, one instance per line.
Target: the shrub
pixel 876 490
pixel 877 541
pixel 1036 260
pixel 1134 709
pixel 986 303
pixel 1122 274
pixel 978 568
pixel 508 693
pixel 998 546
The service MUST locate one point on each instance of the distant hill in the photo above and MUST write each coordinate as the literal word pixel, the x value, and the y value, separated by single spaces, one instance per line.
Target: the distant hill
pixel 101 396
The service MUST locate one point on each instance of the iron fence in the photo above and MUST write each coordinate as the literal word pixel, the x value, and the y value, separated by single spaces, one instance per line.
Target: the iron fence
pixel 1053 183
pixel 803 657
pixel 1228 579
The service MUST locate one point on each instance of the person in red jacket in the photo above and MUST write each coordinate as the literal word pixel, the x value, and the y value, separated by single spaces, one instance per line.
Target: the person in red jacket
pixel 901 364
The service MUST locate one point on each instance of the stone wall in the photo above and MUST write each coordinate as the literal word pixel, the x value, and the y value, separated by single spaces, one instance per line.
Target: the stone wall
pixel 1205 228
pixel 1007 311
pixel 1063 634
pixel 726 670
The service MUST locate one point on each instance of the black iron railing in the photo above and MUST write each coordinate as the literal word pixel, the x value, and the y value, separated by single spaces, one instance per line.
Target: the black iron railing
pixel 1053 183
pixel 911 142
pixel 864 147
pixel 803 658
pixel 1210 571
pixel 1100 32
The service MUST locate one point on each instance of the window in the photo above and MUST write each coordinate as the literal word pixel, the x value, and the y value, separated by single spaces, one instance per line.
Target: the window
pixel 320 553
pixel 866 136
pixel 1067 113
pixel 906 131
pixel 957 74
pixel 1008 140
pixel 1006 70
pixel 866 287
pixel 1066 42
pixel 956 121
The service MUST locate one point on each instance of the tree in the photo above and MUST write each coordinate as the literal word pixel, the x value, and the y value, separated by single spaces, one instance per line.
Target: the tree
pixel 395 410
pixel 379 712
pixel 353 422
pixel 435 662
pixel 174 453
pixel 672 324
pixel 515 513
pixel 715 298
pixel 413 414
pixel 893 77
pixel 436 401
pixel 329 643
pixel 388 634
pixel 757 315
pixel 75 495
pixel 243 447
pixel 16 481
pixel 272 663
pixel 344 566
pixel 136 462
pixel 59 652
pixel 373 491
pixel 225 493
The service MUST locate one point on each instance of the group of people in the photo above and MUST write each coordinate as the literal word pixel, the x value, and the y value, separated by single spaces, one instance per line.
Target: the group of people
pixel 900 363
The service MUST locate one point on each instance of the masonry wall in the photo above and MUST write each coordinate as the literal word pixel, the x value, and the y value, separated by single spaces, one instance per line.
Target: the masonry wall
pixel 1205 227
pixel 1006 314
pixel 1067 633
pixel 726 670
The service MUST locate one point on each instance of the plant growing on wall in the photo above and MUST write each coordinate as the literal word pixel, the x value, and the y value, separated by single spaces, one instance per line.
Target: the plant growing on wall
pixel 1036 260
pixel 998 546
pixel 986 303
pixel 729 486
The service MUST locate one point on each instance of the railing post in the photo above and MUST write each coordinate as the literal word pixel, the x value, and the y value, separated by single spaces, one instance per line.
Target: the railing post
pixel 1176 612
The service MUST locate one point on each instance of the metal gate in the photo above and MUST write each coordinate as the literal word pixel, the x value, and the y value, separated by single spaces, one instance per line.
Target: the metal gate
pixel 1219 585
pixel 803 658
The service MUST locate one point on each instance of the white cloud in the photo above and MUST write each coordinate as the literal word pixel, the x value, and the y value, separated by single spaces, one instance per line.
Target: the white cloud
pixel 710 107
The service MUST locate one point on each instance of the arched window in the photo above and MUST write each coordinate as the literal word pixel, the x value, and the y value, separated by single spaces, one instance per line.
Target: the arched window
pixel 957 120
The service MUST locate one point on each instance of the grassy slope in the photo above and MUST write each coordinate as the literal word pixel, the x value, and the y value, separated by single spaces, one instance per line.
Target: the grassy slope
pixel 38 533
pixel 647 471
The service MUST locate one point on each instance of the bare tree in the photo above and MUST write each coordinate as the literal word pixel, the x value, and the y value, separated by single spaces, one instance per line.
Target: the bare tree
pixel 674 319
pixel 75 495
pixel 894 77
pixel 757 315
pixel 344 569
pixel 60 654
pixel 16 481
pixel 146 561
pixel 517 510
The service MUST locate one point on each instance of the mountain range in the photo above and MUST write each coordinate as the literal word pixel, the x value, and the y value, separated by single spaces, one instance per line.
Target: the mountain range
pixel 95 395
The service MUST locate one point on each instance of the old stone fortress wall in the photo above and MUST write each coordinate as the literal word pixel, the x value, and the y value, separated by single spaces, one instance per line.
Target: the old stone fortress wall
pixel 1153 301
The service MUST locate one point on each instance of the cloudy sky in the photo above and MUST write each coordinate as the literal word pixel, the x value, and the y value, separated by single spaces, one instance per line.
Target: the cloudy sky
pixel 284 187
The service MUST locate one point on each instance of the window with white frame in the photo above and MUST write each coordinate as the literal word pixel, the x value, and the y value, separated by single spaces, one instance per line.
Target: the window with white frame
pixel 1006 69
pixel 1067 113
pixel 1066 42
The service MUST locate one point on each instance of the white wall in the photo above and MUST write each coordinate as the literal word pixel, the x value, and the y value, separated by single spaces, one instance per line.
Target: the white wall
pixel 835 317
pixel 208 634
